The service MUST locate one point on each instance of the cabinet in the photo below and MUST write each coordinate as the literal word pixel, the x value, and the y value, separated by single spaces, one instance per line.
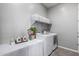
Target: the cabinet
pixel 31 48
pixel 36 49
pixel 20 52
pixel 43 46
pixel 39 18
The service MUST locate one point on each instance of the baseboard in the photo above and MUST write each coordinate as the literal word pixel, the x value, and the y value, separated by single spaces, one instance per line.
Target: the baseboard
pixel 69 49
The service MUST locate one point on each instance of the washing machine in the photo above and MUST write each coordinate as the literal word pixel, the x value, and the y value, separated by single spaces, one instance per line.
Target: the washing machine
pixel 50 42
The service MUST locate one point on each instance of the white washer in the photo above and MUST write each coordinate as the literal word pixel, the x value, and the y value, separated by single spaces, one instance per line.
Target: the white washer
pixel 48 44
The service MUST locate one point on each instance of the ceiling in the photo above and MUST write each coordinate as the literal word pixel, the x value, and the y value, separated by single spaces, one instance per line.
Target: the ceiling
pixel 49 5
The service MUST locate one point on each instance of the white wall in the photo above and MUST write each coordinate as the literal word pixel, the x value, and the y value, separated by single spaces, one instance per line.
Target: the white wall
pixel 15 19
pixel 64 23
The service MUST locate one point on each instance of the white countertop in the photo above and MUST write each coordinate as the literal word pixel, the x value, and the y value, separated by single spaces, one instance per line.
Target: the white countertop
pixel 6 48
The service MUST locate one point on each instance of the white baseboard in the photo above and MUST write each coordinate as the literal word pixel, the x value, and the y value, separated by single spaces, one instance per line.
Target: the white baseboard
pixel 69 49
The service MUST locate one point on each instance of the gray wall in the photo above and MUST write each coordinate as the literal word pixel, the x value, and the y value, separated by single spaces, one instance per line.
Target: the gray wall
pixel 64 23
pixel 15 19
